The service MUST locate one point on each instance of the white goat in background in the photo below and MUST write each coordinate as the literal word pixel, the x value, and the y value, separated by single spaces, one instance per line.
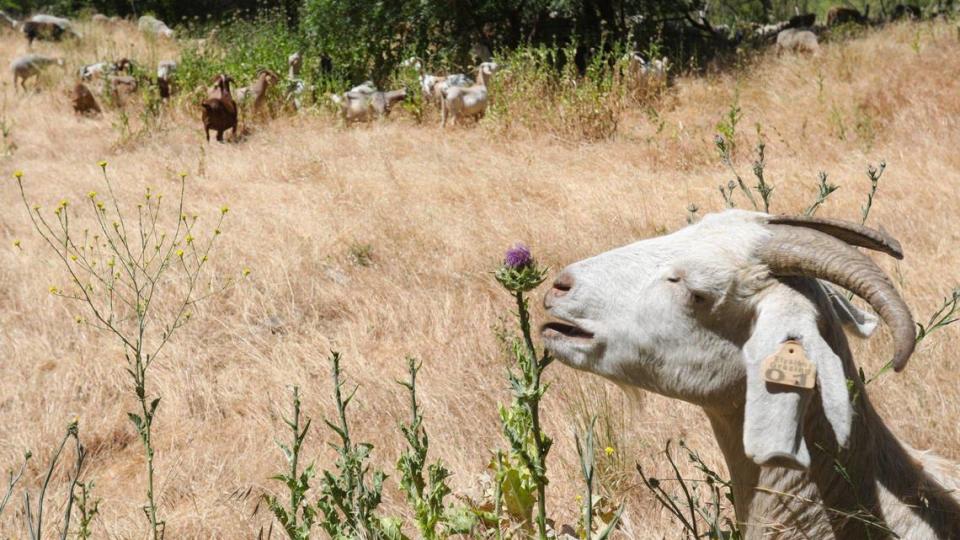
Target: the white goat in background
pixel 459 102
pixel 652 72
pixel 30 65
pixel 692 315
pixel 433 86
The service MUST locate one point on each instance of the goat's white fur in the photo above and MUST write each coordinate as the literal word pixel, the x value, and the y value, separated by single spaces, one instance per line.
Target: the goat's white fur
pixel 688 315
pixel 458 102
pixel 152 25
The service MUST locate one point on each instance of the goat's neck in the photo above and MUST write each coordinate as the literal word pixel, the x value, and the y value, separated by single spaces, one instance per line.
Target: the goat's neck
pixel 866 490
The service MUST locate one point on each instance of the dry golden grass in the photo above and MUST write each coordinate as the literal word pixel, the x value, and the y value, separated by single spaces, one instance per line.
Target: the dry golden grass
pixel 438 210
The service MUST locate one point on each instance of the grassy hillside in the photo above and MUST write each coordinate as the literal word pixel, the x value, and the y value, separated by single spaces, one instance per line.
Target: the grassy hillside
pixel 434 211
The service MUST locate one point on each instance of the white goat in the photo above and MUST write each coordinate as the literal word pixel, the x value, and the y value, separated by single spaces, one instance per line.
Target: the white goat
pixel 652 72
pixel 797 40
pixel 459 102
pixel 294 63
pixel 433 86
pixel 364 102
pixel 30 65
pixel 166 69
pixel 154 26
pixel 295 86
pixel 90 72
pixel 692 316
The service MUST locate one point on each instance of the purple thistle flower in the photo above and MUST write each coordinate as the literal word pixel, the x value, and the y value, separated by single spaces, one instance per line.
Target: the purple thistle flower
pixel 518 257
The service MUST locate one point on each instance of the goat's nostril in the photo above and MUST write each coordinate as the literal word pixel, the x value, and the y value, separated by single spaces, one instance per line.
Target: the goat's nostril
pixel 562 284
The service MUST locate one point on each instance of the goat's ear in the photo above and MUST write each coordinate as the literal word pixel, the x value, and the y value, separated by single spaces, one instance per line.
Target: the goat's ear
pixel 774 414
pixel 860 322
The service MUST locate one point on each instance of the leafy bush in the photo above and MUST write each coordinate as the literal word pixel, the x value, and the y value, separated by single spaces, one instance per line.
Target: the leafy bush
pixel 530 92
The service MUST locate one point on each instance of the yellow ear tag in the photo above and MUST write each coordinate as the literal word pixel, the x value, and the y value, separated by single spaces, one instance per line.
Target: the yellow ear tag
pixel 789 366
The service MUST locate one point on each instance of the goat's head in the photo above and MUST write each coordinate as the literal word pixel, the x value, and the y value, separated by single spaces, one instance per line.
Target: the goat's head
pixel 691 315
pixel 222 81
pixel 123 64
pixel 488 68
pixel 268 76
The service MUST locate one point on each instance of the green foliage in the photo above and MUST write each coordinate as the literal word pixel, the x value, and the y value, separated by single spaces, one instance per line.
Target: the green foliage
pixel 241 46
pixel 874 174
pixel 825 189
pixel 424 495
pixel 361 254
pixel 529 446
pixel 88 509
pixel 537 89
pixel 763 188
pixel 945 315
pixel 296 518
pixel 348 502
pixel 727 129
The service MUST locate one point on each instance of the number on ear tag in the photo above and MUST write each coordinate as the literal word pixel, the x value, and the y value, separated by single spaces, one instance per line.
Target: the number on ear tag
pixel 789 366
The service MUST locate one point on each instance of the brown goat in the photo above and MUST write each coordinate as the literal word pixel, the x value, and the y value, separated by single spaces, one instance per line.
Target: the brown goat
pixel 840 15
pixel 219 109
pixel 121 88
pixel 83 100
pixel 257 91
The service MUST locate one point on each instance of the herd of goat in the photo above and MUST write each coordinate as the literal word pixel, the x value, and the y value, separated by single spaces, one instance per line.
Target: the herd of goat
pixel 457 96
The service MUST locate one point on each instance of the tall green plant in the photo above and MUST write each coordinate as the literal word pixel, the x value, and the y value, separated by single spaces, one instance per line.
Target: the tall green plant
pixel 519 275
pixel 348 501
pixel 425 495
pixel 298 516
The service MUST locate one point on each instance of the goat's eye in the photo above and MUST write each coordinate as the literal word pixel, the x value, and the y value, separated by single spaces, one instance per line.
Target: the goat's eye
pixel 674 279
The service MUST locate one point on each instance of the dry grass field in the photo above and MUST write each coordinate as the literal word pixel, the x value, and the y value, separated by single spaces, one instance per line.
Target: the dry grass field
pixel 436 209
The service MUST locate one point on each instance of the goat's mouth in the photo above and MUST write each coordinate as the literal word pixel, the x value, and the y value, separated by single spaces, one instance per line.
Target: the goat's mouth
pixel 565 330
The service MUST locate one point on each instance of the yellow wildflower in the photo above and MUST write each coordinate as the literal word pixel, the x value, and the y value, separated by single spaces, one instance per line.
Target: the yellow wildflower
pixel 608 450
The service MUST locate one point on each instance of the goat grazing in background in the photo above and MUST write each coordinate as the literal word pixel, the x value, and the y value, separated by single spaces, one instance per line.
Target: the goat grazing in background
pixel 30 65
pixel 165 72
pixel 796 40
pixel 219 109
pixel 83 101
pixel 842 15
pixel 693 315
pixel 47 27
pixel 154 27
pixel 364 102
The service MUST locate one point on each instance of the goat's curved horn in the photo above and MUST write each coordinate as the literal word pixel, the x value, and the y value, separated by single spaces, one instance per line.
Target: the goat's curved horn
pixel 851 233
pixel 797 251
